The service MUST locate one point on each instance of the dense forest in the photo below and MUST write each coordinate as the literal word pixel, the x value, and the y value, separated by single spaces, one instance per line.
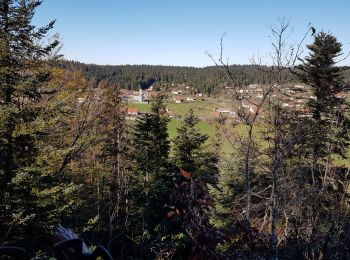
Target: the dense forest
pixel 207 80
pixel 204 80
pixel 69 156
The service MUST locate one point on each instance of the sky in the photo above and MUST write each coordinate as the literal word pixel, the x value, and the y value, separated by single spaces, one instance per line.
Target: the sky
pixel 180 32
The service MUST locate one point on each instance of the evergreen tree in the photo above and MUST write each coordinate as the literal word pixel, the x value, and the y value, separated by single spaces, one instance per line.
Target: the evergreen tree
pixel 32 199
pixel 188 143
pixel 198 166
pixel 22 75
pixel 228 212
pixel 329 112
pixel 117 163
pixel 230 186
pixel 321 213
pixel 151 179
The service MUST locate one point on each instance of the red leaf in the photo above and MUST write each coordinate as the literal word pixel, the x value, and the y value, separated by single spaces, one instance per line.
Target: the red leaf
pixel 185 174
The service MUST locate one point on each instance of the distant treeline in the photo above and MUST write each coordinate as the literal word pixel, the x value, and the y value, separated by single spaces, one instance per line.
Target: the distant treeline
pixel 207 80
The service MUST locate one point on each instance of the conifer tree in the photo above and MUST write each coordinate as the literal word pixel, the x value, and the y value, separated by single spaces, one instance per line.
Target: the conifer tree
pixel 320 71
pixel 188 143
pixel 320 177
pixel 32 198
pixel 117 163
pixel 22 75
pixel 230 186
pixel 151 178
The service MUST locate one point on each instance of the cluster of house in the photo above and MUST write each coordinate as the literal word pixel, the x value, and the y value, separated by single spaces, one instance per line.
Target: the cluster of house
pixel 144 96
pixel 217 113
pixel 245 109
pixel 293 97
pixel 139 96
pixel 251 91
pixel 178 96
pixel 296 98
pixel 133 112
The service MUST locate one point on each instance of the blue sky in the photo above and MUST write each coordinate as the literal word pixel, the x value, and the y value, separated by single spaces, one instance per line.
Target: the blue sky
pixel 178 32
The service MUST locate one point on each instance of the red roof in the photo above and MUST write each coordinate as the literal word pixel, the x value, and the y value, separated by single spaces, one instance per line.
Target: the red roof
pixel 215 114
pixel 133 110
pixel 341 95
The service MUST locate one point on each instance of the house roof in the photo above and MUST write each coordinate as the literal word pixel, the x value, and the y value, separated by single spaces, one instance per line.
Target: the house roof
pixel 341 95
pixel 178 98
pixel 215 114
pixel 133 110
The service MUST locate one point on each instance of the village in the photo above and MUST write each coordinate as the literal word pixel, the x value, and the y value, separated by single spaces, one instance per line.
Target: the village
pixel 292 97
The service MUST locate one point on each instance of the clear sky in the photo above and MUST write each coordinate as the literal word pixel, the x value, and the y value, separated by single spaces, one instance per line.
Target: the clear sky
pixel 178 32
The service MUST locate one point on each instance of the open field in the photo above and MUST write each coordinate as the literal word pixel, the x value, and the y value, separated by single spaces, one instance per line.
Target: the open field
pixel 203 110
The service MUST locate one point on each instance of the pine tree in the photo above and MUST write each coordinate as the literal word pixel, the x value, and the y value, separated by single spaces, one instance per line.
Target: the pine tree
pixel 32 198
pixel 226 192
pixel 321 211
pixel 117 163
pixel 21 75
pixel 151 179
pixel 197 166
pixel 188 144
pixel 320 71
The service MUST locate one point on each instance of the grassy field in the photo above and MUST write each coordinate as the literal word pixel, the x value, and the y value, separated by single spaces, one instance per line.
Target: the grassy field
pixel 203 127
pixel 143 107
pixel 203 109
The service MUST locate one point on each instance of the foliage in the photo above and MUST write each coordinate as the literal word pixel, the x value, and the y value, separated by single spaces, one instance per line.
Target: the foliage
pixel 151 180
pixel 33 197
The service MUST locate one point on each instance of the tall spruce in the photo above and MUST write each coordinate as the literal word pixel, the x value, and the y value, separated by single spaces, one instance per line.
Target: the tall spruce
pixel 32 199
pixel 188 144
pixel 198 166
pixel 151 179
pixel 117 162
pixel 329 109
pixel 21 76
pixel 322 207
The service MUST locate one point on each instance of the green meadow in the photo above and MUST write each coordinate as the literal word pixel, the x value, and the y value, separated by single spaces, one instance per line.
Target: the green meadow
pixel 202 109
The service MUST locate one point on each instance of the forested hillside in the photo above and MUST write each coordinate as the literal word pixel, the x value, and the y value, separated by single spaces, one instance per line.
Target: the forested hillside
pixel 207 80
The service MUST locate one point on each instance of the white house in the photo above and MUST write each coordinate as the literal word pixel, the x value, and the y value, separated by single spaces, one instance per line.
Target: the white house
pixel 140 97
pixel 191 99
pixel 176 92
pixel 178 99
